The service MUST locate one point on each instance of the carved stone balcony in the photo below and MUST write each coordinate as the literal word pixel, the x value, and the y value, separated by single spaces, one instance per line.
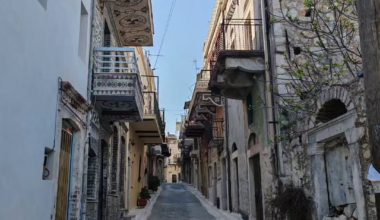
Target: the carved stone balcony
pixel 117 84
pixel 203 105
pixel 237 56
pixel 133 21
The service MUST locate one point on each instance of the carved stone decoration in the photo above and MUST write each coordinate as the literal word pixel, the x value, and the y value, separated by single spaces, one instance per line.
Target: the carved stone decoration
pixel 123 118
pixel 206 108
pixel 216 99
pixel 119 96
pixel 118 105
pixel 127 3
pixel 133 21
pixel 137 40
pixel 205 116
pixel 73 99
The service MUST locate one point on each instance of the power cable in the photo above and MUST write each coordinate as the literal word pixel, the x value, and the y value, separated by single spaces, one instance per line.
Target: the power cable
pixel 166 29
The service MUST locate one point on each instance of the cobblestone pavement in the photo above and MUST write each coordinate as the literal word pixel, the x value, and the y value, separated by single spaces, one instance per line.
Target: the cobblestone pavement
pixel 176 202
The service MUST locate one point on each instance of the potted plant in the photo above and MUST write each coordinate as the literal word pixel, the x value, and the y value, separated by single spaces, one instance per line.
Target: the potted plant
pixel 153 183
pixel 144 197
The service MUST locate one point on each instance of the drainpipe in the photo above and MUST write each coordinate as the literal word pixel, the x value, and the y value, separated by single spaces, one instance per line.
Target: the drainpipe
pixel 228 155
pixel 278 163
pixel 86 146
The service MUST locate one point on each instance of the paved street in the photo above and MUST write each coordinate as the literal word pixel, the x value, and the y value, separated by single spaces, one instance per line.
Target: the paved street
pixel 176 202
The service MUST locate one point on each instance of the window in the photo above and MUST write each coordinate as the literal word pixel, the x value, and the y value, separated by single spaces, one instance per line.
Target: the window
pixel 43 3
pixel 330 110
pixel 252 140
pixel 82 49
pixel 297 50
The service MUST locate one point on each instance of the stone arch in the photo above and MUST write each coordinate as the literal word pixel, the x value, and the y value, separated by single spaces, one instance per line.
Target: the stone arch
pixel 333 98
pixel 252 141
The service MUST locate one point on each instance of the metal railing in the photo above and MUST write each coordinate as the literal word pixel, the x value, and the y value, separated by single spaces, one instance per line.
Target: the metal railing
pixel 215 131
pixel 237 34
pixel 151 108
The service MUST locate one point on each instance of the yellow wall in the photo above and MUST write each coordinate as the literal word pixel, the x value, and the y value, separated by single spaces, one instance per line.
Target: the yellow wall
pixel 135 152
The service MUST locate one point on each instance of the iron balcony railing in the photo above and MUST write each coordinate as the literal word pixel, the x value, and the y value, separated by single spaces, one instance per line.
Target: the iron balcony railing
pixel 151 108
pixel 116 60
pixel 237 35
pixel 215 131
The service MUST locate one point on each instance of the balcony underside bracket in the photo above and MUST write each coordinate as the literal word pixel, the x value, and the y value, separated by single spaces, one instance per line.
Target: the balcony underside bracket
pixel 234 73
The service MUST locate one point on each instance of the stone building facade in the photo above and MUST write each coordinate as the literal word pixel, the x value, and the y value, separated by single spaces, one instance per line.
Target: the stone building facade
pixel 172 170
pixel 330 158
pixel 118 159
pixel 261 158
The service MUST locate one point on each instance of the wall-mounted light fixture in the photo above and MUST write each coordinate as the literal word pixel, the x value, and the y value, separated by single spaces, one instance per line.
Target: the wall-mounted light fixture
pixel 132 142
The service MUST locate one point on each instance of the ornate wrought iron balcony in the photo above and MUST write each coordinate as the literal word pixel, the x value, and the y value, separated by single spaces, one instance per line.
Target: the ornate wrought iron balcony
pixel 133 21
pixel 216 132
pixel 117 84
pixel 237 55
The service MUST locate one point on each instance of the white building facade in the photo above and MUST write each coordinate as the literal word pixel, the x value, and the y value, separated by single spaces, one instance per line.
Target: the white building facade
pixel 44 59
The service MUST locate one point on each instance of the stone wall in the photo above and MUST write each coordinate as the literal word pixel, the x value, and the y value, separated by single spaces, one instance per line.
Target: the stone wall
pixel 297 161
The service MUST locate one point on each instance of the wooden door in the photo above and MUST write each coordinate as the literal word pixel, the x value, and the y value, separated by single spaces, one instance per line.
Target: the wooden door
pixel 174 178
pixel 258 189
pixel 64 174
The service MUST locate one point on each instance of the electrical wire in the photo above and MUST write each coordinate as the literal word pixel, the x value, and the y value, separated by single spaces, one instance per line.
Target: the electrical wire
pixel 166 29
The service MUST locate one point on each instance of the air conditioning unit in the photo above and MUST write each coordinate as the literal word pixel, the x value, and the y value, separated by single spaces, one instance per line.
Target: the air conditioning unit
pixel 156 150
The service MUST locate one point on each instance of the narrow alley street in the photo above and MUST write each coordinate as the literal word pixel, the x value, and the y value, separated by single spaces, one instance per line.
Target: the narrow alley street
pixel 176 202
pixel 190 110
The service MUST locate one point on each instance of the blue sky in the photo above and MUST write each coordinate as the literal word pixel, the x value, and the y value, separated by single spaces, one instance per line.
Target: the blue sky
pixel 183 43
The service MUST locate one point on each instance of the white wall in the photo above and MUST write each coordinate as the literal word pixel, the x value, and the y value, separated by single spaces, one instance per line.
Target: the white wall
pixel 37 47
